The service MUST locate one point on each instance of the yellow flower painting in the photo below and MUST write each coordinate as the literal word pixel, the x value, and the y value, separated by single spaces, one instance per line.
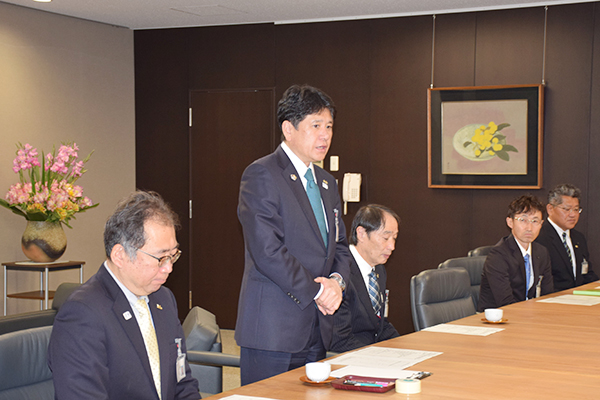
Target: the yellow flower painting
pixel 483 142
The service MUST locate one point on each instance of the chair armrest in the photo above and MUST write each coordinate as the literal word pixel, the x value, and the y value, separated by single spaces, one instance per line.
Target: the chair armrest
pixel 213 358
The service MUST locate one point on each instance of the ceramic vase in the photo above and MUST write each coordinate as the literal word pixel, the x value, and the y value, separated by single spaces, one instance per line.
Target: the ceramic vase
pixel 44 241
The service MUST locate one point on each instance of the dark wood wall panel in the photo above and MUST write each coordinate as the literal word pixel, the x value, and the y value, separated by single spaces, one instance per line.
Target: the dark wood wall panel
pixel 232 57
pixel 400 76
pixel 378 72
pixel 161 85
pixel 455 39
pixel 569 80
pixel 510 46
pixel 336 59
pixel 593 188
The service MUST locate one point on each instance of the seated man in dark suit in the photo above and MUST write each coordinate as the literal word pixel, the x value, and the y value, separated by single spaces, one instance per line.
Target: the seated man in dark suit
pixel 517 269
pixel 567 247
pixel 118 335
pixel 362 318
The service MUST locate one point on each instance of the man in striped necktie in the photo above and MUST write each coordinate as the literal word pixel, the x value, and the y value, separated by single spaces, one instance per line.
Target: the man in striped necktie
pixel 361 320
pixel 567 246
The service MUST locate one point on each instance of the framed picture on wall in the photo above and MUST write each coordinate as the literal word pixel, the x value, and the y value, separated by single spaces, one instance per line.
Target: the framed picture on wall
pixel 485 137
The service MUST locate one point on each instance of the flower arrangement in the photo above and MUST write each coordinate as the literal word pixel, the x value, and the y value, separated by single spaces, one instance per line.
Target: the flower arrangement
pixel 46 191
pixel 487 139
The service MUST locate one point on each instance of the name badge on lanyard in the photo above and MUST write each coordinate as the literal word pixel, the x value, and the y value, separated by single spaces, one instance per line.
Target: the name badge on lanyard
pixel 180 365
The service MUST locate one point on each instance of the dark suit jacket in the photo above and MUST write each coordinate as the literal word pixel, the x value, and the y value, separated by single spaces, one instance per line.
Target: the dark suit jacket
pixel 95 352
pixel 562 270
pixel 355 323
pixel 503 279
pixel 284 253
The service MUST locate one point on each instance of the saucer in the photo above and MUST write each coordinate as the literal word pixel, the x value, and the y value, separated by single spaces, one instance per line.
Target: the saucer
pixel 503 320
pixel 305 379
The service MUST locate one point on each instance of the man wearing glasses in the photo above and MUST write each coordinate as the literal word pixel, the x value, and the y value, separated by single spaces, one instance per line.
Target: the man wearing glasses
pixel 567 247
pixel 118 336
pixel 517 269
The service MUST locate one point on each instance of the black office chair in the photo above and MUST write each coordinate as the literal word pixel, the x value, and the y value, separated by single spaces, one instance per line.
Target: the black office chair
pixel 440 295
pixel 480 251
pixel 204 351
pixel 474 266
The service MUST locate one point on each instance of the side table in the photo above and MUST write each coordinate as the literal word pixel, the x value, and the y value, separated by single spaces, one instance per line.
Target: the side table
pixel 44 269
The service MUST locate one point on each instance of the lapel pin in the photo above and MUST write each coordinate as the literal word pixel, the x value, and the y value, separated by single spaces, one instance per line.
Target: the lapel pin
pixel 325 184
pixel 576 246
pixel 127 315
pixel 159 306
pixel 294 177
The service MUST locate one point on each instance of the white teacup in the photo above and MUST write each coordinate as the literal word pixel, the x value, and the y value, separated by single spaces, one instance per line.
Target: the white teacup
pixel 317 371
pixel 493 314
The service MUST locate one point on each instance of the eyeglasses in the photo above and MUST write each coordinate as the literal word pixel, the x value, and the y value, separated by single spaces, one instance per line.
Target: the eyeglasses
pixel 576 210
pixel 163 260
pixel 534 221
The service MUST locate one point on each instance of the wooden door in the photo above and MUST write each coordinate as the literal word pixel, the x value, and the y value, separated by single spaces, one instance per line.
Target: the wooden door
pixel 229 130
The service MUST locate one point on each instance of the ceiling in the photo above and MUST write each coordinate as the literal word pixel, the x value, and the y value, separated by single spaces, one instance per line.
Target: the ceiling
pixel 150 14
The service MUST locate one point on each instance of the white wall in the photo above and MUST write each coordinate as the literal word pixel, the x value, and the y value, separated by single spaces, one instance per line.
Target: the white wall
pixel 64 79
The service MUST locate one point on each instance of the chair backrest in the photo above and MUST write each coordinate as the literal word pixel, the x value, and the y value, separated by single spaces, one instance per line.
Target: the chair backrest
pixel 24 372
pixel 480 251
pixel 474 266
pixel 63 291
pixel 440 295
pixel 202 333
pixel 34 319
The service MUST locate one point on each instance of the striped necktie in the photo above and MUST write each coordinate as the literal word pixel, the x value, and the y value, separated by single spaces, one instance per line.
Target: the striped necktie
pixel 566 244
pixel 374 292
pixel 149 335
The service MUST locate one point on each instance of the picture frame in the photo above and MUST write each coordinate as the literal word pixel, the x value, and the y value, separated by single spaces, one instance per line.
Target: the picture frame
pixel 485 137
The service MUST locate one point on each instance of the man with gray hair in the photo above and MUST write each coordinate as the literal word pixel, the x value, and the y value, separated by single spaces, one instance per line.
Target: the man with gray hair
pixel 568 248
pixel 118 335
pixel 361 320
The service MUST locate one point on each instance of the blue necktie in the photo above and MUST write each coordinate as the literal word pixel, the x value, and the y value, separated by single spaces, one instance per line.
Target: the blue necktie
pixel 374 292
pixel 528 274
pixel 314 196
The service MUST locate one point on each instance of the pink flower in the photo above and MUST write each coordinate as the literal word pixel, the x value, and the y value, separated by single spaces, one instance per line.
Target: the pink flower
pixel 26 158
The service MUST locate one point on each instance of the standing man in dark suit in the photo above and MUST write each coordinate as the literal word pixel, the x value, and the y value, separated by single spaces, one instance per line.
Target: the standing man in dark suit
pixel 517 269
pixel 361 320
pixel 297 257
pixel 567 247
pixel 118 336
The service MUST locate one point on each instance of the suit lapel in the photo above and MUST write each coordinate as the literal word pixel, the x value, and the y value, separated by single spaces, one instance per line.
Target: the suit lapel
pixel 518 257
pixel 362 292
pixel 578 257
pixel 290 175
pixel 560 247
pixel 126 318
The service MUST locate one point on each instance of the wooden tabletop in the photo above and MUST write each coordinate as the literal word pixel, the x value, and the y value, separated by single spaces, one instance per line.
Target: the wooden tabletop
pixel 546 351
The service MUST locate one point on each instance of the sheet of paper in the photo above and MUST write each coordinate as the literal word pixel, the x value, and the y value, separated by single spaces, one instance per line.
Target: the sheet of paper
pixel 573 299
pixel 372 372
pixel 463 329
pixel 383 357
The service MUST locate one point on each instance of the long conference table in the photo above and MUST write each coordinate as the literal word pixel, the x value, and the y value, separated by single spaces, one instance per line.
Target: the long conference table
pixel 546 351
